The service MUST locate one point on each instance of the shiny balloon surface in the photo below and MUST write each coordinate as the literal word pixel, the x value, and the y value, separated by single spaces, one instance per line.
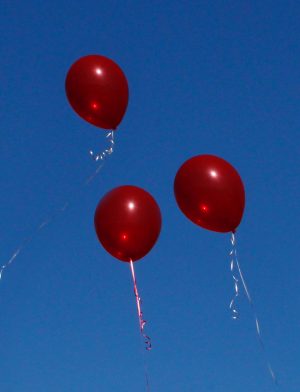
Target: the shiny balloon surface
pixel 210 192
pixel 97 90
pixel 127 222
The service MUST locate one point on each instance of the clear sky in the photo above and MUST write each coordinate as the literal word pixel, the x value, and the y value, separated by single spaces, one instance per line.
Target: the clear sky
pixel 205 77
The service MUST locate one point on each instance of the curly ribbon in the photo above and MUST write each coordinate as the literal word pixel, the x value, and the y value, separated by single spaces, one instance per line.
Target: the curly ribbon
pixel 232 254
pixel 236 268
pixel 108 151
pixel 26 241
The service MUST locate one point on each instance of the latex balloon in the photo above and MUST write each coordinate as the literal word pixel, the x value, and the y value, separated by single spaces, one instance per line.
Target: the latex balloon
pixel 127 222
pixel 210 192
pixel 97 90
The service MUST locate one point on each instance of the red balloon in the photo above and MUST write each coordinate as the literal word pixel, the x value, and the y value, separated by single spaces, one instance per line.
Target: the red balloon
pixel 127 222
pixel 97 90
pixel 210 192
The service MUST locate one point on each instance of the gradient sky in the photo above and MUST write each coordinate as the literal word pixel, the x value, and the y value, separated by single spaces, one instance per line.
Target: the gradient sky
pixel 205 77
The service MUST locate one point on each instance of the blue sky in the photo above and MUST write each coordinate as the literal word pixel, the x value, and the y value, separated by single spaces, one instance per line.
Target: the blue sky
pixel 205 77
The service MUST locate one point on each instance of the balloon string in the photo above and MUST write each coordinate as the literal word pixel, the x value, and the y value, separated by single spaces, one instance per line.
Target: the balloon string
pixel 27 240
pixel 142 323
pixel 235 266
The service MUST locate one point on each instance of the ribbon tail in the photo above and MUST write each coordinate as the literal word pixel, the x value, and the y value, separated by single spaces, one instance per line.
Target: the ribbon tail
pixel 235 263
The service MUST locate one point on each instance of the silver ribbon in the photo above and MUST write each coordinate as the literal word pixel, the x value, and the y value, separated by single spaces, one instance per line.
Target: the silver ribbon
pixel 26 241
pixel 235 269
